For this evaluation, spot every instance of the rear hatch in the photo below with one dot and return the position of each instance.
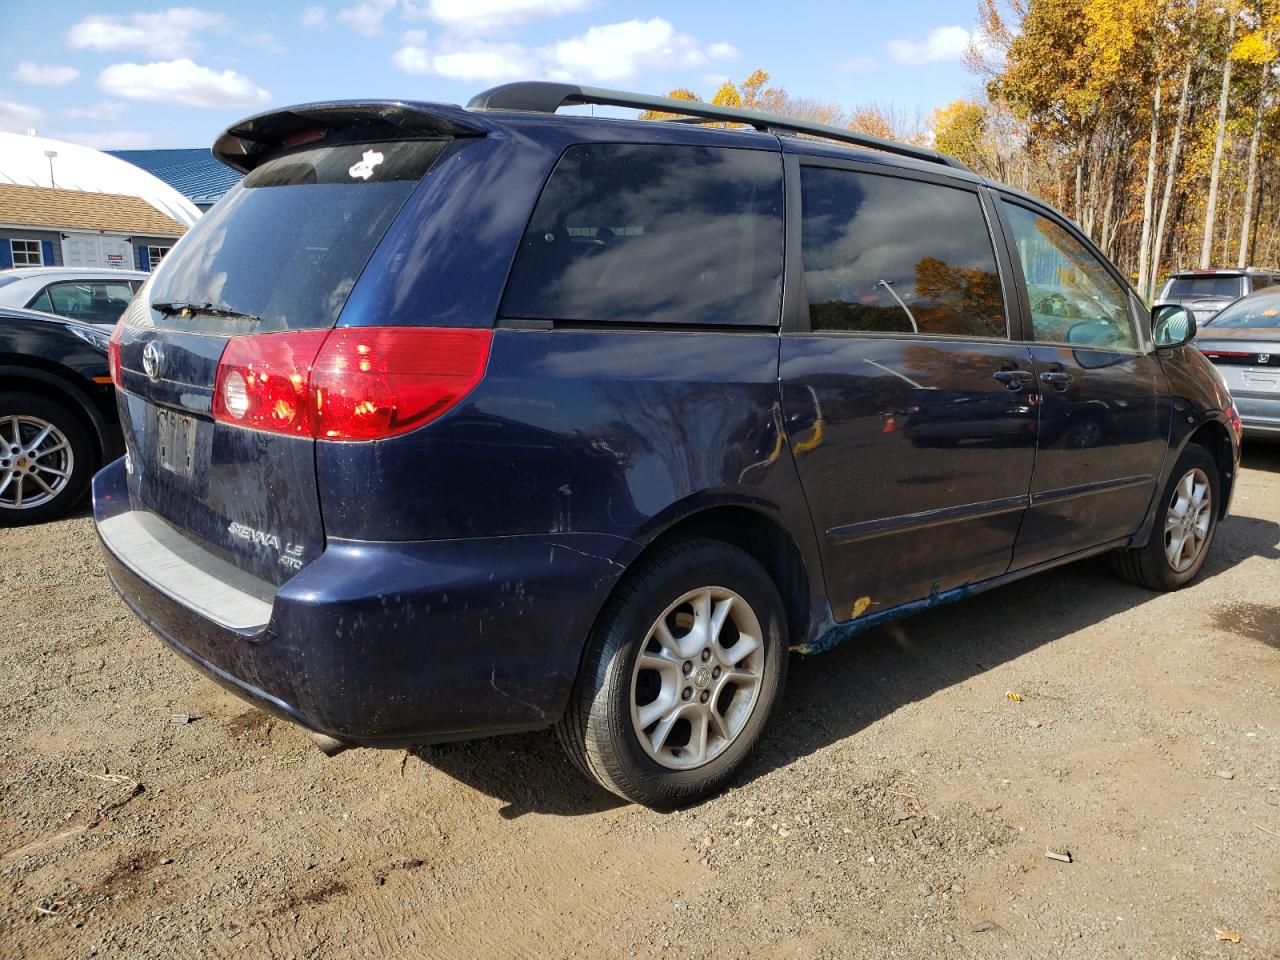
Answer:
(279, 254)
(1204, 294)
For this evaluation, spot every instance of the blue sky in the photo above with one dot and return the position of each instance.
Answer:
(162, 75)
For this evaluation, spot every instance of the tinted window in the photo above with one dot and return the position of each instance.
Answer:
(93, 301)
(891, 255)
(287, 243)
(654, 234)
(1207, 286)
(1074, 299)
(1259, 310)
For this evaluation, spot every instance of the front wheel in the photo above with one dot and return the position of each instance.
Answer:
(1186, 522)
(680, 675)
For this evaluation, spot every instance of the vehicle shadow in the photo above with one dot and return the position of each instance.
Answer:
(1261, 455)
(834, 695)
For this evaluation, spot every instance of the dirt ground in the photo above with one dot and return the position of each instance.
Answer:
(901, 806)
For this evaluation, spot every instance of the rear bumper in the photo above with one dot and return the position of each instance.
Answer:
(1259, 416)
(387, 643)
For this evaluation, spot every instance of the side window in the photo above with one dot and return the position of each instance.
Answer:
(890, 255)
(1074, 299)
(654, 234)
(94, 302)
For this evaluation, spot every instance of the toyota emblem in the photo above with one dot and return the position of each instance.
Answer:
(153, 359)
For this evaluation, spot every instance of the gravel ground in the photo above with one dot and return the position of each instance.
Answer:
(901, 806)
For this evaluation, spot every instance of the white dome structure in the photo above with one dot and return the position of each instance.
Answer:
(24, 162)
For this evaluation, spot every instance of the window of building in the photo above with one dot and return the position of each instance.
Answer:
(26, 253)
(156, 254)
(639, 233)
(1074, 298)
(890, 255)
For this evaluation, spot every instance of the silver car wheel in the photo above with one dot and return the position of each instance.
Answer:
(1186, 526)
(697, 678)
(36, 462)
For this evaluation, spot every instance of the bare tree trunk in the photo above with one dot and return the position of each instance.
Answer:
(1211, 205)
(1226, 229)
(1175, 150)
(1252, 179)
(1148, 193)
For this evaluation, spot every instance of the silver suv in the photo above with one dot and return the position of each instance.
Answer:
(1205, 292)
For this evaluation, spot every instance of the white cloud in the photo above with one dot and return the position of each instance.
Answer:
(19, 117)
(366, 16)
(723, 51)
(183, 83)
(618, 50)
(102, 110)
(412, 57)
(44, 74)
(508, 61)
(169, 32)
(942, 43)
(315, 18)
(111, 139)
(491, 14)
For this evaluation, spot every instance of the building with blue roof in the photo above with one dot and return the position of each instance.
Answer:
(192, 172)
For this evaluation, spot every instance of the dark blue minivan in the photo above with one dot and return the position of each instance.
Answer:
(452, 422)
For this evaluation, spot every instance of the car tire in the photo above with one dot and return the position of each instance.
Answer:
(1195, 485)
(691, 678)
(46, 459)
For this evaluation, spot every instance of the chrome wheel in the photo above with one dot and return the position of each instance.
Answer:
(697, 678)
(36, 462)
(1186, 526)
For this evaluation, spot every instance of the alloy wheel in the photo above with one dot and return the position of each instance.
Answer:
(1186, 525)
(697, 678)
(36, 462)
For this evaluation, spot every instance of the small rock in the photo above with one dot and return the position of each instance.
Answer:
(925, 889)
(949, 937)
(1034, 723)
(680, 906)
(167, 860)
(1226, 774)
(956, 888)
(985, 926)
(413, 864)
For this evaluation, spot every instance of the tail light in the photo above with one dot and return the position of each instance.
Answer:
(356, 383)
(113, 355)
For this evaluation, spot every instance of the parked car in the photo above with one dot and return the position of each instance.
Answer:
(58, 421)
(526, 420)
(78, 293)
(1205, 292)
(1243, 342)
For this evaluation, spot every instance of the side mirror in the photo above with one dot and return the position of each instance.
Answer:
(1172, 326)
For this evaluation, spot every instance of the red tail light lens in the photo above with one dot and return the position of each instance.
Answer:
(263, 381)
(380, 381)
(113, 355)
(353, 383)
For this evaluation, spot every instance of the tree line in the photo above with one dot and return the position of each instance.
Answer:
(1154, 124)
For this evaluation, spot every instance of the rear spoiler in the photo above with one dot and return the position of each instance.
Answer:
(246, 144)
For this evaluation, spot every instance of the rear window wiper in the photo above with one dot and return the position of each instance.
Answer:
(207, 309)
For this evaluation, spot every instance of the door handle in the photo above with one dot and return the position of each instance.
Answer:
(1013, 379)
(1059, 378)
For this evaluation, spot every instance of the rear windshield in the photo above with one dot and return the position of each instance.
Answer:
(287, 243)
(1207, 286)
(1260, 310)
(654, 234)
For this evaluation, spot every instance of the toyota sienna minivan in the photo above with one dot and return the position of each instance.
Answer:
(451, 422)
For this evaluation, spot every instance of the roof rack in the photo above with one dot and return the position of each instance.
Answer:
(545, 97)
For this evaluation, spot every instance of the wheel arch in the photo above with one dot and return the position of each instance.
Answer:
(1213, 435)
(60, 389)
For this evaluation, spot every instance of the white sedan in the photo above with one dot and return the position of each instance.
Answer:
(81, 293)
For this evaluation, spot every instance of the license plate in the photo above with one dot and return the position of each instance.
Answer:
(1259, 380)
(176, 442)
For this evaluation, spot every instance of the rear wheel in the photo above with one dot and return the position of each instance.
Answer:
(46, 459)
(681, 673)
(1186, 522)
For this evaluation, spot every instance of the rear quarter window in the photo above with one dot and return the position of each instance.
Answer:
(646, 233)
